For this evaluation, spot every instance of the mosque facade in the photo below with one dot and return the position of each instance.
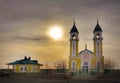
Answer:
(86, 61)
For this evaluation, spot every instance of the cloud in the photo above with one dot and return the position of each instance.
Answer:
(31, 38)
(23, 26)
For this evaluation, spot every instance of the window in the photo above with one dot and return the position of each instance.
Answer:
(73, 37)
(85, 63)
(21, 68)
(73, 66)
(98, 36)
(73, 49)
(25, 68)
(98, 65)
(98, 47)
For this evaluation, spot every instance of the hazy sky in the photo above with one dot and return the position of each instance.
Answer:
(24, 26)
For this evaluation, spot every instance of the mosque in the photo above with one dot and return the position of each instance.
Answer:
(86, 61)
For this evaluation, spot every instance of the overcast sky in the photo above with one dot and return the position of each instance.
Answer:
(24, 25)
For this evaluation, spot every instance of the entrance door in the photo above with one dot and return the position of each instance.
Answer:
(85, 69)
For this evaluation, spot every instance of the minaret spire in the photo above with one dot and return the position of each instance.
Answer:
(97, 27)
(73, 21)
(97, 21)
(85, 45)
(74, 28)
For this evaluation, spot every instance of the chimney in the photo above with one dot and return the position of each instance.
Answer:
(25, 58)
(29, 58)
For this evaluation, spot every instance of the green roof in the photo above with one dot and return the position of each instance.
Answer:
(24, 61)
(97, 28)
(74, 29)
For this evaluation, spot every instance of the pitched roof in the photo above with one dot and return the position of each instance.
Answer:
(85, 51)
(74, 29)
(25, 61)
(97, 28)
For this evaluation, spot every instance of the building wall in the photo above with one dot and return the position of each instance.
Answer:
(35, 68)
(29, 68)
(92, 65)
(78, 63)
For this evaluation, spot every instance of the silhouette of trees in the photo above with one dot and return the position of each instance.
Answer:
(110, 63)
(61, 65)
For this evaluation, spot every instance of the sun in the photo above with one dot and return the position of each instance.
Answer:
(56, 32)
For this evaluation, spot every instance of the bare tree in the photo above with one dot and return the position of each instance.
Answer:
(110, 63)
(61, 65)
(46, 65)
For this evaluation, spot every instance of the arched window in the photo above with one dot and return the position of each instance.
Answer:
(98, 36)
(73, 37)
(98, 47)
(73, 66)
(85, 63)
(98, 65)
(25, 68)
(21, 68)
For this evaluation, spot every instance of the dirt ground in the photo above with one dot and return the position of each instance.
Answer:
(9, 80)
(28, 78)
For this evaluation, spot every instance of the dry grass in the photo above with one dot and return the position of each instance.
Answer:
(38, 78)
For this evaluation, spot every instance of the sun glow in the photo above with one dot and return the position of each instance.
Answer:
(56, 32)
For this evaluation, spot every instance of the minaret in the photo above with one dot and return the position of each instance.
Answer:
(97, 39)
(74, 41)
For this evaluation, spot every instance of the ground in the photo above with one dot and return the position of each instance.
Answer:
(35, 78)
(9, 80)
